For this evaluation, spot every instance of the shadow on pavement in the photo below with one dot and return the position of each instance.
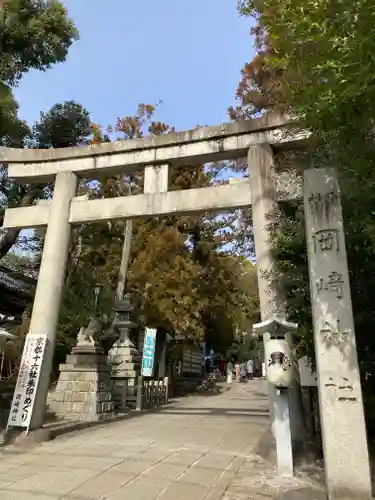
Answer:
(227, 412)
(57, 428)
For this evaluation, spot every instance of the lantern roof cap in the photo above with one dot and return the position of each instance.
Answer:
(124, 305)
(275, 326)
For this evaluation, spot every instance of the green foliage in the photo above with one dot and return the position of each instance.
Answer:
(35, 34)
(324, 51)
(315, 60)
(64, 125)
(12, 130)
(240, 352)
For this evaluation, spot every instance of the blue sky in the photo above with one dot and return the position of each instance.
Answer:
(186, 53)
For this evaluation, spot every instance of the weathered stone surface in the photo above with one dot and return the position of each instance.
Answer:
(71, 373)
(210, 141)
(340, 396)
(84, 388)
(126, 363)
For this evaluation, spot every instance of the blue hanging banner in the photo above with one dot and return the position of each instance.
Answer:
(148, 352)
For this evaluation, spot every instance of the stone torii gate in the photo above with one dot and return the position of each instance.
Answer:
(346, 457)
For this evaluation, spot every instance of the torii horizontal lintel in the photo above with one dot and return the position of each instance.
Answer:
(214, 199)
(206, 144)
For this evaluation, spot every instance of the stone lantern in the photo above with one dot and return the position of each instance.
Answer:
(278, 334)
(124, 356)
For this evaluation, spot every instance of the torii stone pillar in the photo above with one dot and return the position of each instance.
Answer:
(51, 279)
(263, 182)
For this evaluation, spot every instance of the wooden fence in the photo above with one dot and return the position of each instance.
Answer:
(151, 393)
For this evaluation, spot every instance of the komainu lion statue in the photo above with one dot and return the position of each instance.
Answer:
(89, 335)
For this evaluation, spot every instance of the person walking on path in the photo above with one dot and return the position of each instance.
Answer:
(250, 368)
(238, 372)
(243, 372)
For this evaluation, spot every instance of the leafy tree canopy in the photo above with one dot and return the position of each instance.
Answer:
(66, 124)
(322, 55)
(314, 59)
(35, 34)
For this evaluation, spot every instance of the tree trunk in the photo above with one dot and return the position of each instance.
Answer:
(10, 235)
(125, 260)
(74, 258)
(8, 240)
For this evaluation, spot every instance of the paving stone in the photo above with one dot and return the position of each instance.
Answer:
(133, 466)
(164, 471)
(95, 451)
(129, 451)
(183, 491)
(20, 472)
(16, 495)
(5, 484)
(201, 476)
(138, 491)
(53, 481)
(151, 481)
(82, 462)
(212, 460)
(184, 457)
(155, 453)
(221, 485)
(101, 486)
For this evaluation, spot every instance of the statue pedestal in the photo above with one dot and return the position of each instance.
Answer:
(126, 361)
(83, 391)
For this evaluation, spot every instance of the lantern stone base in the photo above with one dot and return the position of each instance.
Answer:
(126, 362)
(84, 388)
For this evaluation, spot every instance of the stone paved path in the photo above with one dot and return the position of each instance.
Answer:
(196, 448)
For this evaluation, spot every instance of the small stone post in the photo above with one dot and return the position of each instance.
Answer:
(345, 450)
(124, 356)
(140, 393)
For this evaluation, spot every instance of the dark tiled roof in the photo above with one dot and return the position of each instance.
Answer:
(16, 282)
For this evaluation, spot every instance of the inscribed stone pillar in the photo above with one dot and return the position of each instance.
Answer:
(264, 205)
(341, 409)
(50, 285)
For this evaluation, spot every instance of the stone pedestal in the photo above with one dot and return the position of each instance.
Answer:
(83, 390)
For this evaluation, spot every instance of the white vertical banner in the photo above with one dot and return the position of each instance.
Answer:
(27, 381)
